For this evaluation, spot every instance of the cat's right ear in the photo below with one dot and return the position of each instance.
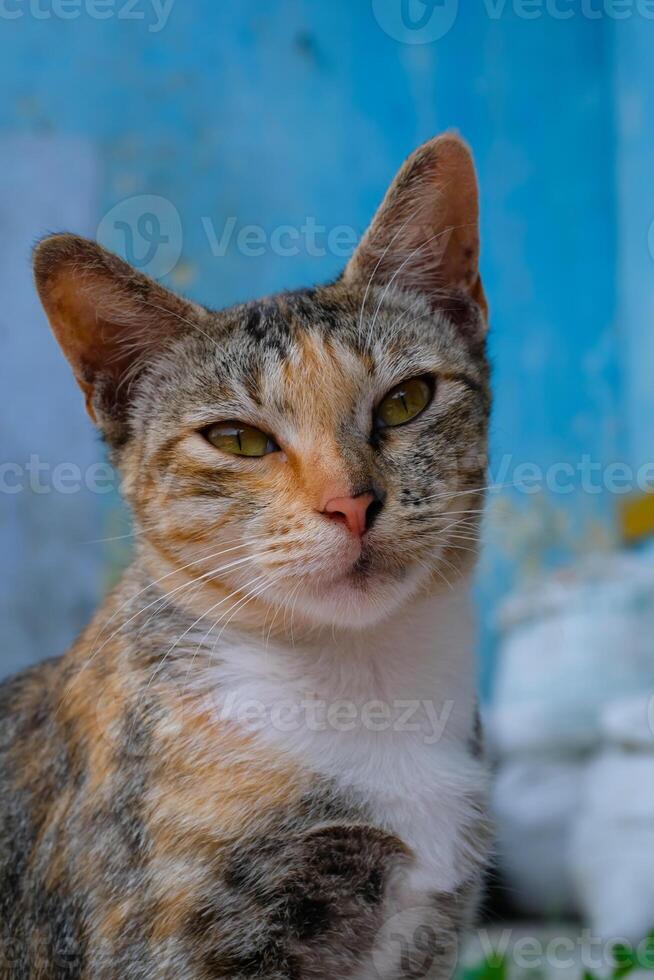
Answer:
(425, 235)
(108, 319)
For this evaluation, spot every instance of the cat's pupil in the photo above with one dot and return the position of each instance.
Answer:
(405, 402)
(240, 440)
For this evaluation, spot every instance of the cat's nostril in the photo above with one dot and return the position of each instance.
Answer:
(357, 513)
(373, 512)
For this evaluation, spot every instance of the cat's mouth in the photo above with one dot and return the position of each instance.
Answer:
(369, 568)
(365, 568)
(361, 592)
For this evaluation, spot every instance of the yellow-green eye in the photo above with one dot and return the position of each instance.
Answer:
(404, 402)
(240, 440)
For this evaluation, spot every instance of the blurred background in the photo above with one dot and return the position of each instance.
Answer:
(234, 149)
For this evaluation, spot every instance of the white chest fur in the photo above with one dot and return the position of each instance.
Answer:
(386, 713)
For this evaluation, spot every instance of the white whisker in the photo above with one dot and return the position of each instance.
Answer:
(448, 495)
(194, 624)
(179, 588)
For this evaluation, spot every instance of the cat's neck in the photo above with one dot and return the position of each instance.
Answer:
(417, 664)
(418, 661)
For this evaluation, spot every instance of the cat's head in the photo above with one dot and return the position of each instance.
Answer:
(323, 449)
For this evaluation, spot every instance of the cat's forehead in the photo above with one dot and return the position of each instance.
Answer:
(295, 355)
(312, 335)
(313, 356)
(287, 323)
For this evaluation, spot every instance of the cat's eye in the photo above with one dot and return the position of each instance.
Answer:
(405, 402)
(240, 440)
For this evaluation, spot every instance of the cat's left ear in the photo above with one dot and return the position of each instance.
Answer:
(109, 319)
(425, 236)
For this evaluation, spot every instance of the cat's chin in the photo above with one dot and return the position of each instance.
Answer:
(357, 599)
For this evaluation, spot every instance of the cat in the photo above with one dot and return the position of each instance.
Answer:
(261, 758)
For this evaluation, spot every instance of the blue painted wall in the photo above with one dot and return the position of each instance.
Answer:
(634, 102)
(274, 114)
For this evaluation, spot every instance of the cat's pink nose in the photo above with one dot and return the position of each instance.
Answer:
(352, 511)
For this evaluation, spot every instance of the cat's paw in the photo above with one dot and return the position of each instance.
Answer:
(314, 902)
(340, 871)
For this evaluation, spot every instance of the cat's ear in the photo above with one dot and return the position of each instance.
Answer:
(425, 235)
(108, 318)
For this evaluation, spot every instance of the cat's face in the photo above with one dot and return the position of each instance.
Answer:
(303, 381)
(319, 453)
